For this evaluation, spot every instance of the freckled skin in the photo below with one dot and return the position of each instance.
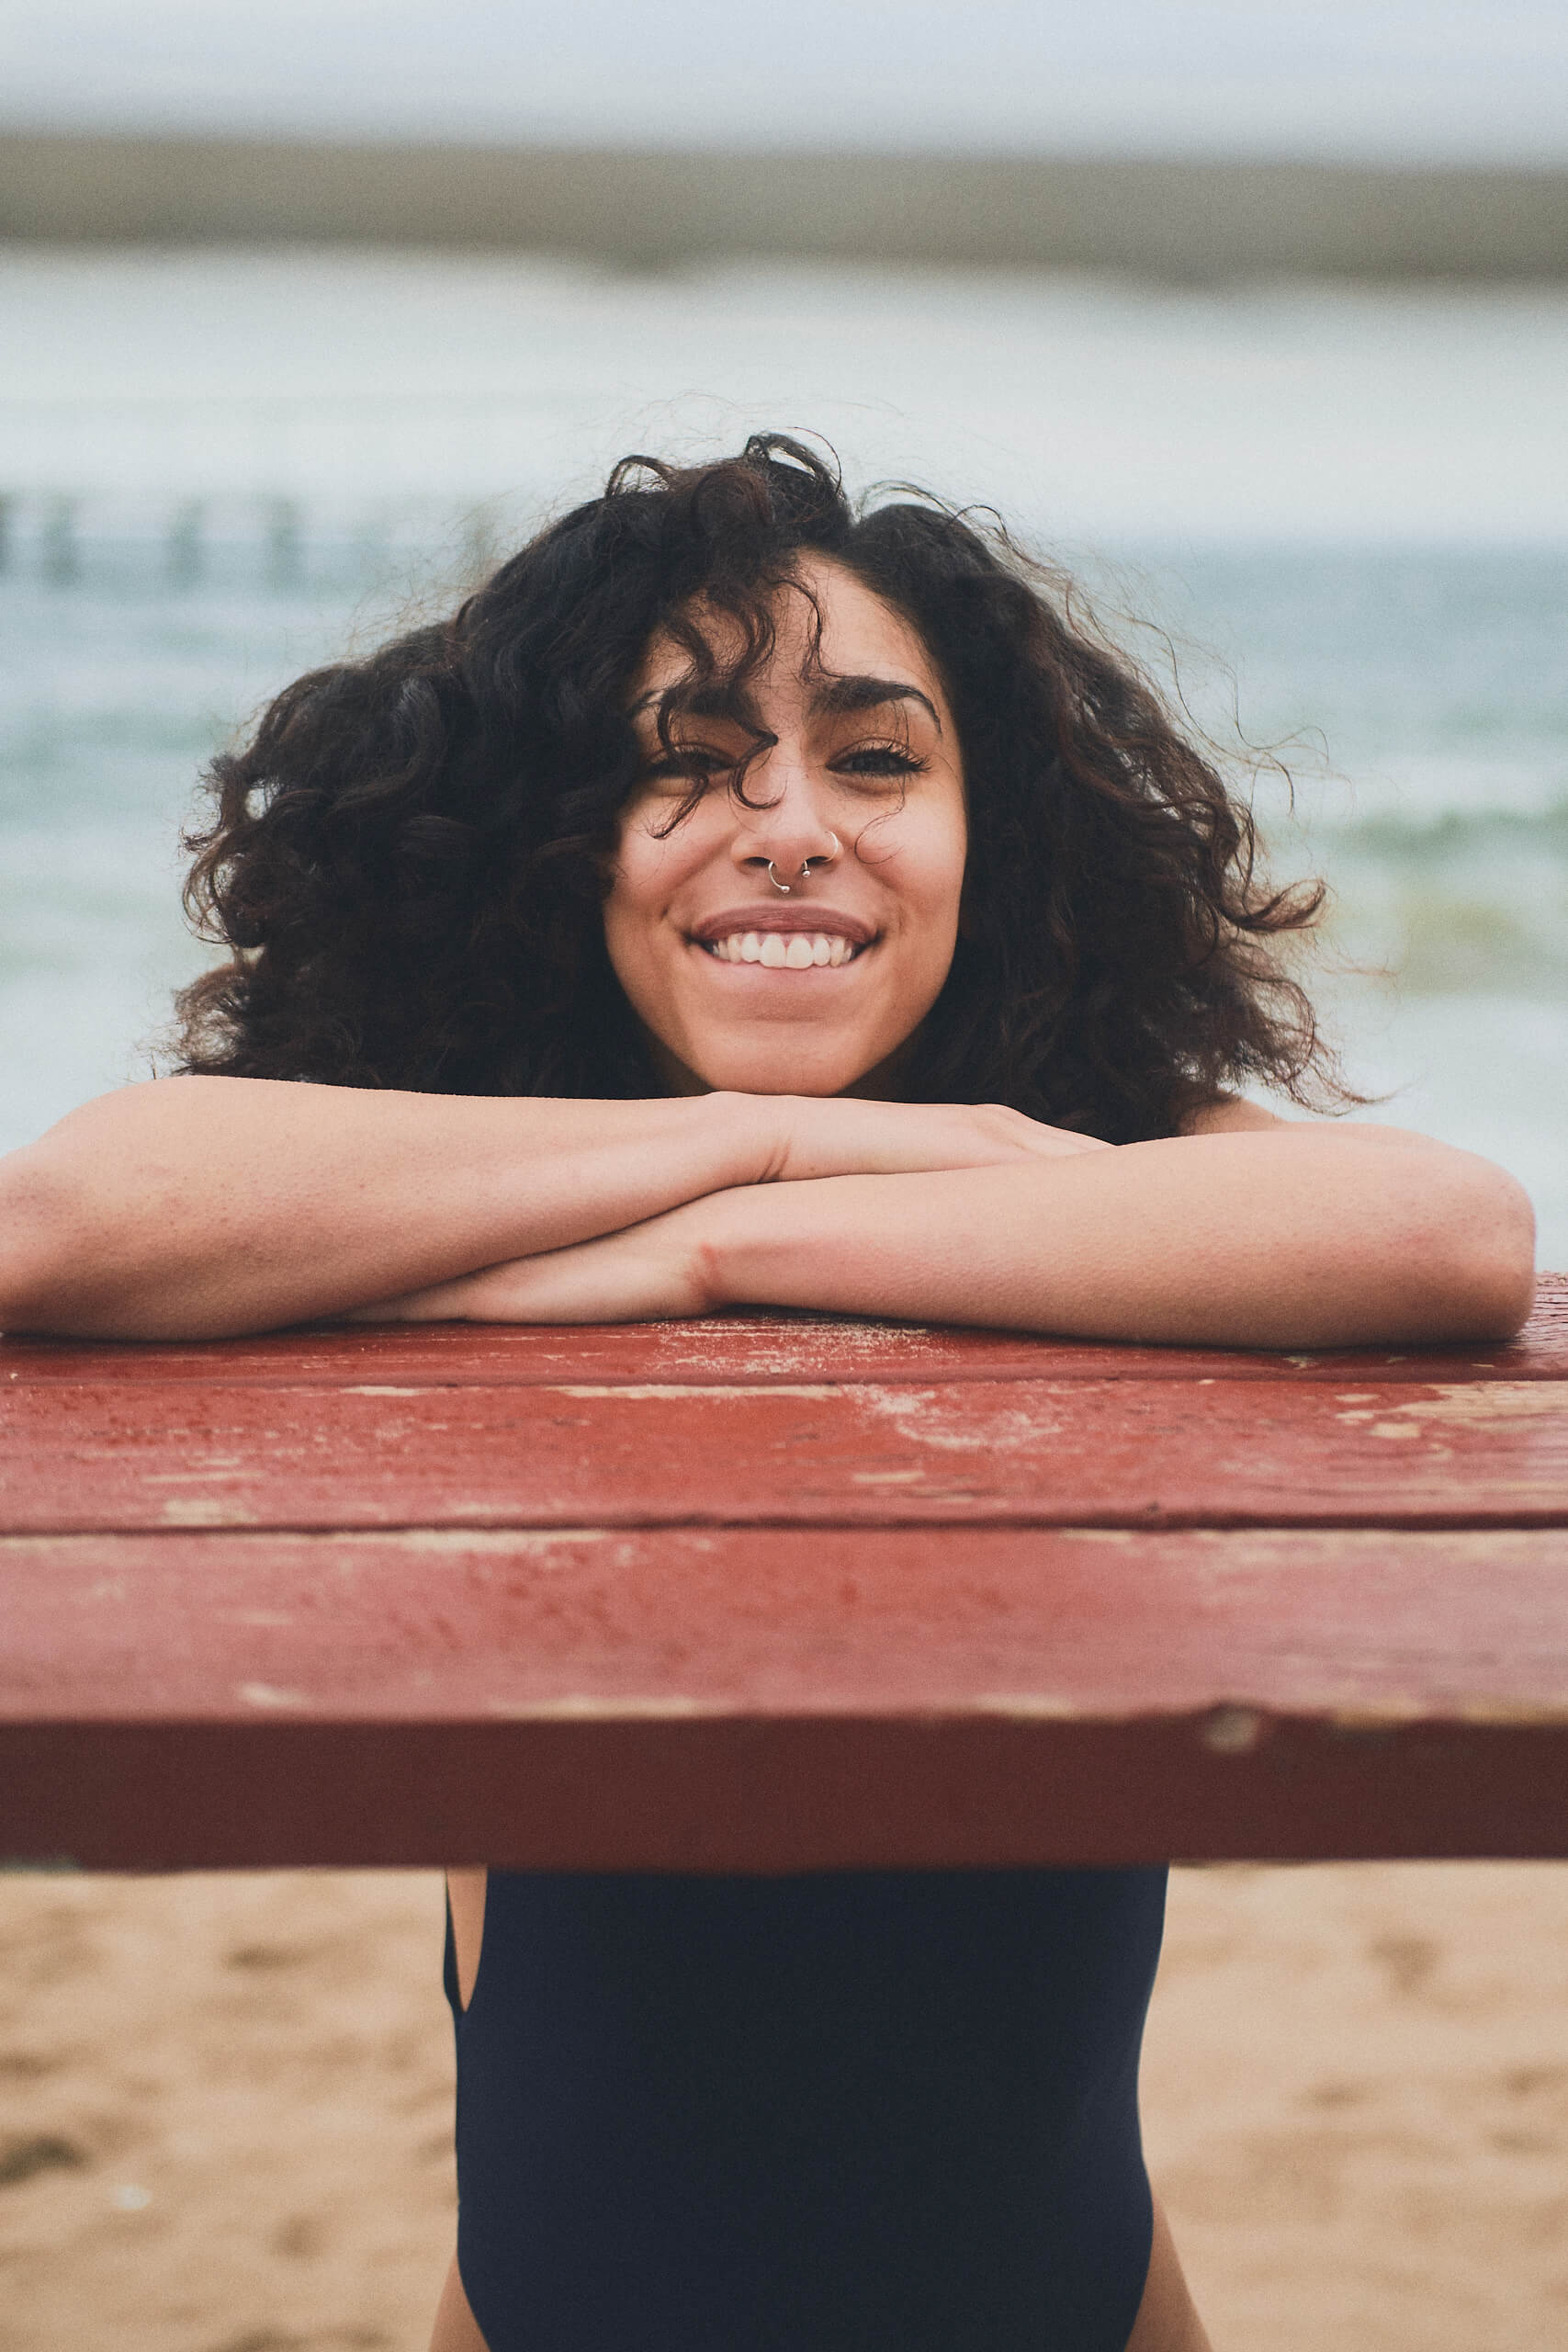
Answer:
(886, 783)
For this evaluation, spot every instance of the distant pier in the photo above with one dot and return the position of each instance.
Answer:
(1176, 219)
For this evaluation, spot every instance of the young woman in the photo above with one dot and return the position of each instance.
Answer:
(742, 899)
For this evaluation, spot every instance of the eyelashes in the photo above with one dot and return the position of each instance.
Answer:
(695, 769)
(880, 759)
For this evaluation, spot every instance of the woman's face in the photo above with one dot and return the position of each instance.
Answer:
(738, 984)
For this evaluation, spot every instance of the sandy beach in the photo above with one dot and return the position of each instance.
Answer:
(225, 2110)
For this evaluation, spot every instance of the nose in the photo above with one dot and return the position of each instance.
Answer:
(784, 836)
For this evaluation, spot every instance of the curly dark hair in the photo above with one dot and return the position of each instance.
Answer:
(408, 861)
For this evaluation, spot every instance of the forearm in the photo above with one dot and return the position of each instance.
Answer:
(202, 1206)
(1293, 1238)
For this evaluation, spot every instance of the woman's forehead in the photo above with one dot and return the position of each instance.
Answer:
(826, 623)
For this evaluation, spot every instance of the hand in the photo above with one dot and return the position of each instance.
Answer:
(659, 1268)
(841, 1136)
(644, 1274)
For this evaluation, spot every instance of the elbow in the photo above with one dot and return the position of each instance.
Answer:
(1478, 1282)
(90, 1223)
(41, 1243)
(1506, 1278)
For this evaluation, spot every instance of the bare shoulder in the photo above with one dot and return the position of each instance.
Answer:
(1232, 1115)
(1229, 1114)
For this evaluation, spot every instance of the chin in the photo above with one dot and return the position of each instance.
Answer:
(781, 1069)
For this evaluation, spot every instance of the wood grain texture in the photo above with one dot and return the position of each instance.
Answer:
(771, 1794)
(1377, 1627)
(775, 1592)
(768, 1700)
(1104, 1453)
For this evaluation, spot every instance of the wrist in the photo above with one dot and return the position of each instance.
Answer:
(754, 1131)
(712, 1248)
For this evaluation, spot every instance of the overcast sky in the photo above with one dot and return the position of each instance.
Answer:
(1402, 79)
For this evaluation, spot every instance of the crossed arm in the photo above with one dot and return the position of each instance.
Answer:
(197, 1207)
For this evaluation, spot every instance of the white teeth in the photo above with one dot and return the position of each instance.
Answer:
(795, 951)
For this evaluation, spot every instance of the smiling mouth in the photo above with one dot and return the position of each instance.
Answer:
(785, 951)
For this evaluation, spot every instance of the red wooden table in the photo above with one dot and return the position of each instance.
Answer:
(778, 1593)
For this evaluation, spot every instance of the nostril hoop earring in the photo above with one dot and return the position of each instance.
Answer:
(805, 866)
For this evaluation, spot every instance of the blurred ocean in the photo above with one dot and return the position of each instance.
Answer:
(1348, 508)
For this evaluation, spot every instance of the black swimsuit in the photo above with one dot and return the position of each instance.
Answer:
(849, 2112)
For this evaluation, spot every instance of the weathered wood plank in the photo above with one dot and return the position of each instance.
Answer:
(928, 1656)
(745, 1350)
(1380, 1625)
(773, 1794)
(1106, 1453)
(765, 1699)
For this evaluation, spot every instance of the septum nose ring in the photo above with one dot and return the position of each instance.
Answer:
(805, 866)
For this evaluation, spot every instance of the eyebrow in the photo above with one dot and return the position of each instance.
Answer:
(836, 697)
(716, 702)
(839, 696)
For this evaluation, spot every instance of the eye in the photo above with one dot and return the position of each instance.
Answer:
(687, 767)
(878, 760)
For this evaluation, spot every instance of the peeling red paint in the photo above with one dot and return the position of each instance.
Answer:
(1135, 1454)
(769, 1593)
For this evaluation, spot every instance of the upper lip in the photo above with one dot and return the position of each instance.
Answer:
(759, 915)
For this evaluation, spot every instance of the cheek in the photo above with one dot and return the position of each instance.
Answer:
(642, 872)
(645, 872)
(625, 915)
(640, 857)
(930, 863)
(658, 849)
